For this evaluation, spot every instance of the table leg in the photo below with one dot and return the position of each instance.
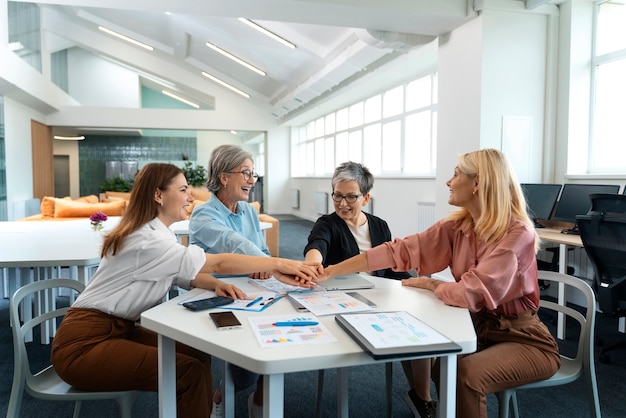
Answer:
(560, 324)
(228, 394)
(342, 392)
(167, 377)
(273, 395)
(446, 407)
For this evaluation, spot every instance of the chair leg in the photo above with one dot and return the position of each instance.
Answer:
(77, 406)
(504, 400)
(389, 387)
(514, 404)
(320, 391)
(126, 406)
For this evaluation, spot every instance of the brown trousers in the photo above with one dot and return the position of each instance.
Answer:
(513, 350)
(96, 351)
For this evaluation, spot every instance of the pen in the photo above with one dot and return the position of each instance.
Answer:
(295, 324)
(255, 301)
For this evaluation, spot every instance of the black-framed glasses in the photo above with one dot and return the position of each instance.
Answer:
(246, 174)
(351, 198)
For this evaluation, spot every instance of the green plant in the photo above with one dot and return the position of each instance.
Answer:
(117, 184)
(196, 176)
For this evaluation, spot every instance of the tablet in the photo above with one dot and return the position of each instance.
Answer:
(394, 335)
(347, 282)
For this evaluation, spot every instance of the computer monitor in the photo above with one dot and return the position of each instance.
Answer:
(575, 200)
(540, 200)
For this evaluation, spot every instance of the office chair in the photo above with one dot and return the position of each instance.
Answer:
(582, 365)
(603, 233)
(46, 384)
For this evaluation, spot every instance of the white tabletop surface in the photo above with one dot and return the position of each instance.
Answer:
(51, 243)
(240, 347)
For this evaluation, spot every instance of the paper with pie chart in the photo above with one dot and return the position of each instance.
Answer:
(270, 335)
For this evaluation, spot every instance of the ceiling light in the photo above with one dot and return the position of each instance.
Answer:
(234, 58)
(268, 33)
(180, 99)
(225, 84)
(70, 138)
(233, 132)
(126, 38)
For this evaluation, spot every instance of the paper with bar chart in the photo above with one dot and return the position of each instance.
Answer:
(330, 303)
(269, 334)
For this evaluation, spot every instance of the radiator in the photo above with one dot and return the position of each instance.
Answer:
(295, 198)
(425, 215)
(320, 202)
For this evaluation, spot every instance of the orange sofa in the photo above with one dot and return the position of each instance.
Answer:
(53, 208)
(114, 204)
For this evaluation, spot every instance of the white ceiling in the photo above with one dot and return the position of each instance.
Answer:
(337, 41)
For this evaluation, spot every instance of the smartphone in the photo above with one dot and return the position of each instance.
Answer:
(225, 320)
(362, 298)
(214, 302)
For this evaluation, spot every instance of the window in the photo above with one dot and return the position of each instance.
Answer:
(608, 126)
(392, 132)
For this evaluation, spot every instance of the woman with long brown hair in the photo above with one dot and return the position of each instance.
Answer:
(99, 344)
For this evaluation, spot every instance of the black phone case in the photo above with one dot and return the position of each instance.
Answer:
(202, 304)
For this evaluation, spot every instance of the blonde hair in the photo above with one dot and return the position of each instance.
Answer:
(500, 195)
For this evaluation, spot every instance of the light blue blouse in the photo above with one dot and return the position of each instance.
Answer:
(214, 228)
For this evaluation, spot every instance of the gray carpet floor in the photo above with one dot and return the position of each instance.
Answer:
(366, 384)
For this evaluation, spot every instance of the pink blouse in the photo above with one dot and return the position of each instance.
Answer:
(501, 277)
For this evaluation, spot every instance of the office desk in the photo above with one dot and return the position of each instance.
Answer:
(174, 323)
(45, 247)
(553, 234)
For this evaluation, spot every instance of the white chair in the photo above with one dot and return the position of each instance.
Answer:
(571, 368)
(46, 384)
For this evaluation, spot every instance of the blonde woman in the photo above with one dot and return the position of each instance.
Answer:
(489, 245)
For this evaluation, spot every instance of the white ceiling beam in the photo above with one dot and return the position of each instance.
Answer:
(533, 4)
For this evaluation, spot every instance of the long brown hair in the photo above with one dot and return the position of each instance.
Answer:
(142, 207)
(501, 197)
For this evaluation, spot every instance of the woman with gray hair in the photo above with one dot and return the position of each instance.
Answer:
(227, 223)
(349, 231)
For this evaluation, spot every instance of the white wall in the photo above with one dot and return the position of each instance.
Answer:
(94, 81)
(18, 151)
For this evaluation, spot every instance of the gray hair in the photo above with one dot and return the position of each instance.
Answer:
(224, 159)
(350, 171)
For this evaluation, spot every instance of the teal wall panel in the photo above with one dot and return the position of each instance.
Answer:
(95, 150)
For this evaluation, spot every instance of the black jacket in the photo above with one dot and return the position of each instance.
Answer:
(334, 240)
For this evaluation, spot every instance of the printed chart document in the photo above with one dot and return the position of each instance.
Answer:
(329, 302)
(394, 334)
(268, 334)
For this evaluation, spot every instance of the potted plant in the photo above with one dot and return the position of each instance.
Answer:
(117, 184)
(196, 176)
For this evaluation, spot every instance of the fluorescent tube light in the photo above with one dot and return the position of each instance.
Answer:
(125, 38)
(234, 58)
(267, 33)
(225, 84)
(69, 138)
(233, 132)
(180, 99)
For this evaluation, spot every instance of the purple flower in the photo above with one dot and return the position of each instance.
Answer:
(98, 217)
(96, 220)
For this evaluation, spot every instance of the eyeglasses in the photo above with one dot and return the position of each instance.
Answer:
(351, 198)
(246, 174)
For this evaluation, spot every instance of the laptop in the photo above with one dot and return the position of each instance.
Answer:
(347, 282)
